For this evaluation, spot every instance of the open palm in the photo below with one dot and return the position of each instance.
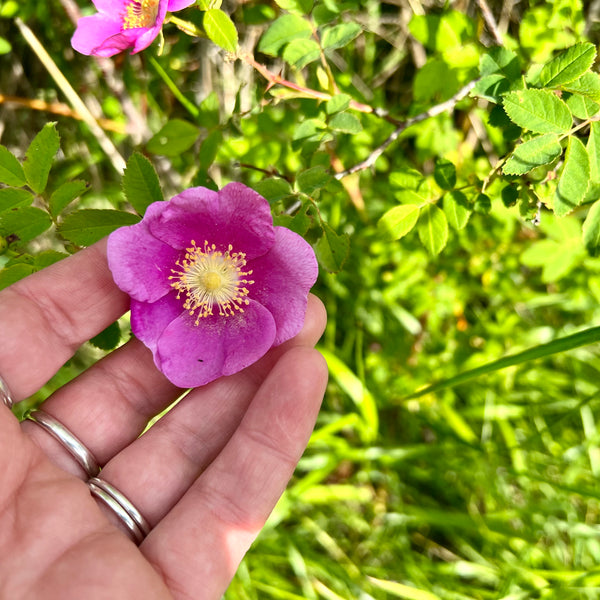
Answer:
(206, 476)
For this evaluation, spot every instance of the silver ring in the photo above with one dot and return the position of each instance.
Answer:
(129, 515)
(5, 394)
(71, 443)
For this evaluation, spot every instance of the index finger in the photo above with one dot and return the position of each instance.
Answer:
(45, 317)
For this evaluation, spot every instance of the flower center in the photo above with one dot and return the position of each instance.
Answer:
(209, 277)
(140, 13)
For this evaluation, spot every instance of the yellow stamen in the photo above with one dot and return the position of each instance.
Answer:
(140, 13)
(207, 276)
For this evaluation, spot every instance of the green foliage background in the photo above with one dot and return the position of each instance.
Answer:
(444, 159)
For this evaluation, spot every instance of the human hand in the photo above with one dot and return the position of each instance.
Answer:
(205, 476)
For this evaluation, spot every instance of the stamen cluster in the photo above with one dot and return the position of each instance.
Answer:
(140, 13)
(207, 276)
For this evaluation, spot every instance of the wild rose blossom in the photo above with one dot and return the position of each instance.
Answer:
(213, 284)
(122, 24)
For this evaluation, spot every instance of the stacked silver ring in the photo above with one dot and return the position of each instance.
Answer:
(5, 394)
(129, 515)
(137, 527)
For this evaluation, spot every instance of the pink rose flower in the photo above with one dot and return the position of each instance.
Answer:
(213, 284)
(122, 24)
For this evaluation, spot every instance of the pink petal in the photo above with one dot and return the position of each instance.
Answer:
(282, 280)
(192, 355)
(141, 264)
(93, 31)
(149, 320)
(235, 215)
(175, 5)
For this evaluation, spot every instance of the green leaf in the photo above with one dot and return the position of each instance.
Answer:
(337, 103)
(15, 273)
(535, 152)
(313, 179)
(24, 223)
(39, 157)
(5, 46)
(456, 209)
(399, 220)
(500, 61)
(591, 230)
(568, 65)
(109, 338)
(220, 29)
(583, 338)
(87, 226)
(433, 229)
(210, 148)
(273, 189)
(299, 223)
(174, 138)
(12, 198)
(593, 148)
(582, 107)
(540, 111)
(140, 183)
(574, 179)
(64, 195)
(340, 35)
(11, 171)
(296, 6)
(332, 249)
(345, 122)
(444, 174)
(285, 29)
(587, 85)
(47, 257)
(301, 52)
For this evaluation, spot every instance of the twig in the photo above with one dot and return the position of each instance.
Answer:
(432, 112)
(275, 79)
(490, 21)
(59, 108)
(76, 102)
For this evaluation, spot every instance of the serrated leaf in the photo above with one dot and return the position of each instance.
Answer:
(39, 157)
(282, 31)
(313, 179)
(174, 138)
(345, 122)
(332, 249)
(499, 60)
(64, 195)
(87, 226)
(47, 257)
(399, 220)
(301, 52)
(540, 150)
(11, 171)
(13, 274)
(568, 65)
(587, 85)
(273, 189)
(109, 338)
(13, 198)
(444, 174)
(456, 209)
(593, 149)
(574, 179)
(591, 230)
(220, 29)
(337, 103)
(299, 223)
(140, 183)
(582, 107)
(340, 35)
(540, 111)
(24, 223)
(433, 229)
